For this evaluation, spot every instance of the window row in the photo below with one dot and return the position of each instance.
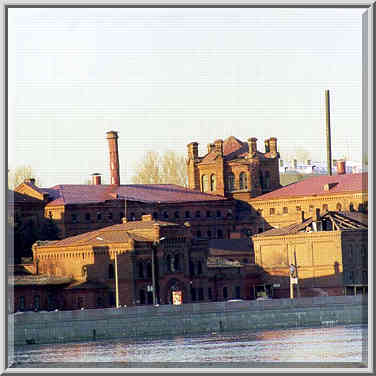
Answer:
(99, 217)
(311, 208)
(212, 234)
(196, 214)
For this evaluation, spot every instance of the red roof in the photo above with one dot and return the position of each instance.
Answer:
(120, 233)
(157, 193)
(232, 149)
(316, 186)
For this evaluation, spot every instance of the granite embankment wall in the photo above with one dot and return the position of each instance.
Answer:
(165, 320)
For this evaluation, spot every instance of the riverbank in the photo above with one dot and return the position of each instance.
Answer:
(165, 320)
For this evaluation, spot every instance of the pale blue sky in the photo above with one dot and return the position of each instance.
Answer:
(165, 77)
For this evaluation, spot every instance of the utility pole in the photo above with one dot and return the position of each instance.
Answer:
(296, 275)
(328, 136)
(153, 272)
(116, 281)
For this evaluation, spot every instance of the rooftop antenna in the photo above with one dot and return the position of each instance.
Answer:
(328, 139)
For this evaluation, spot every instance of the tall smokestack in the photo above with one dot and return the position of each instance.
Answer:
(112, 137)
(328, 140)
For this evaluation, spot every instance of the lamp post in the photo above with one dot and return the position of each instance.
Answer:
(154, 270)
(116, 282)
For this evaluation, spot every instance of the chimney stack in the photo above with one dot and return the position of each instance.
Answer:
(267, 146)
(112, 138)
(252, 146)
(328, 137)
(219, 147)
(341, 167)
(193, 150)
(96, 179)
(273, 145)
(210, 147)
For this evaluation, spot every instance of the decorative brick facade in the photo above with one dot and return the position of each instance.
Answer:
(234, 169)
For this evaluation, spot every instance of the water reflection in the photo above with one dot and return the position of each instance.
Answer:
(334, 344)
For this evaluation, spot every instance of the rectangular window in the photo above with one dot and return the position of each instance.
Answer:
(271, 211)
(200, 293)
(21, 303)
(237, 292)
(193, 294)
(210, 296)
(285, 210)
(225, 293)
(365, 275)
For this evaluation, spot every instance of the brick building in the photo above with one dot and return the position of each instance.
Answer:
(345, 192)
(198, 269)
(234, 169)
(329, 252)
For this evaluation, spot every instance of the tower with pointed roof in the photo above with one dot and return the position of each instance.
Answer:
(233, 168)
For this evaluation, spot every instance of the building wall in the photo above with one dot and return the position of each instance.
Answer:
(276, 213)
(321, 258)
(262, 173)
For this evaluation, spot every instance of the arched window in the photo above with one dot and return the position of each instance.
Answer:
(191, 268)
(87, 216)
(243, 180)
(199, 268)
(213, 183)
(339, 207)
(231, 182)
(149, 270)
(176, 263)
(187, 214)
(198, 214)
(111, 271)
(176, 214)
(155, 215)
(140, 270)
(205, 183)
(165, 215)
(168, 263)
(267, 179)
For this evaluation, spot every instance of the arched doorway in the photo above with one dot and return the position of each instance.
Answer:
(175, 292)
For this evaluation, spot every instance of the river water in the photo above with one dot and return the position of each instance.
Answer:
(340, 345)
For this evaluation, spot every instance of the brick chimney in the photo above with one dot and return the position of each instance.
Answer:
(210, 147)
(30, 181)
(273, 145)
(252, 146)
(112, 138)
(219, 147)
(341, 167)
(96, 179)
(193, 150)
(267, 147)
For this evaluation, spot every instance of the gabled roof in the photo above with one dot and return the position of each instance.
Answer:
(19, 198)
(153, 193)
(120, 233)
(317, 186)
(340, 221)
